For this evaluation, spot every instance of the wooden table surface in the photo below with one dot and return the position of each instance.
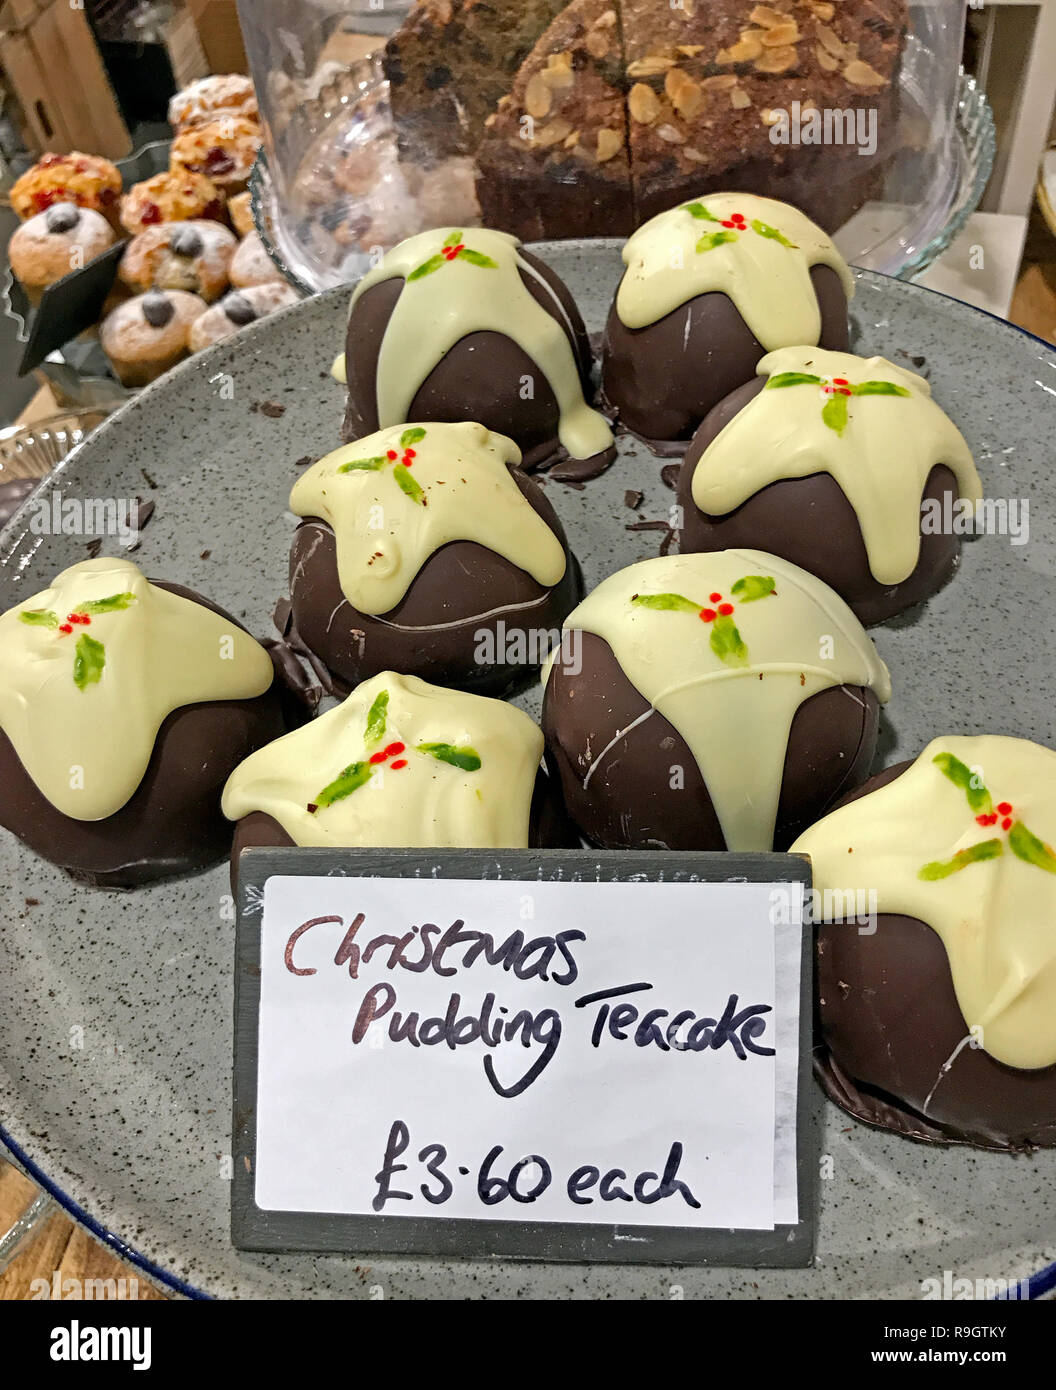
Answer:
(62, 1255)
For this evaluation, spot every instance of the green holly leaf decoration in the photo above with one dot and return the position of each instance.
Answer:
(427, 267)
(709, 241)
(792, 379)
(772, 233)
(377, 718)
(88, 661)
(1026, 846)
(354, 776)
(878, 388)
(753, 587)
(477, 258)
(467, 759)
(116, 603)
(363, 465)
(39, 617)
(700, 212)
(409, 438)
(667, 603)
(408, 484)
(455, 239)
(979, 799)
(974, 854)
(726, 642)
(834, 413)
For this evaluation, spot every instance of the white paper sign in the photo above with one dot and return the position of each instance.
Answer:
(612, 1053)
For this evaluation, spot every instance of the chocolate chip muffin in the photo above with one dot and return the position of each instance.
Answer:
(194, 256)
(52, 244)
(147, 335)
(236, 310)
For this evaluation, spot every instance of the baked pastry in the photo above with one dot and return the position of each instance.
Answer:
(936, 889)
(176, 195)
(450, 62)
(454, 326)
(710, 288)
(400, 764)
(150, 333)
(554, 156)
(236, 310)
(119, 724)
(707, 81)
(223, 150)
(796, 99)
(426, 550)
(240, 211)
(85, 179)
(194, 256)
(50, 245)
(251, 264)
(212, 97)
(841, 464)
(710, 702)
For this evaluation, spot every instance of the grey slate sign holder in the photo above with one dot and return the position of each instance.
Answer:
(787, 1246)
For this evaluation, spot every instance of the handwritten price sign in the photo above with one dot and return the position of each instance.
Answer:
(580, 1059)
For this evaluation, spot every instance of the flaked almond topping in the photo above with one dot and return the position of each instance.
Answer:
(559, 60)
(553, 134)
(821, 9)
(558, 78)
(860, 74)
(777, 60)
(765, 17)
(744, 51)
(670, 135)
(685, 95)
(652, 66)
(643, 104)
(597, 43)
(781, 34)
(739, 99)
(537, 96)
(605, 21)
(769, 117)
(826, 60)
(690, 50)
(694, 156)
(829, 40)
(721, 82)
(489, 121)
(610, 143)
(572, 141)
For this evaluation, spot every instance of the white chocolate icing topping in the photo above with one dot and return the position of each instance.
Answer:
(757, 251)
(394, 498)
(963, 841)
(399, 763)
(459, 283)
(871, 425)
(92, 667)
(727, 646)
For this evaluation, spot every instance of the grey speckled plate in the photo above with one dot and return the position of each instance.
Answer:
(115, 1010)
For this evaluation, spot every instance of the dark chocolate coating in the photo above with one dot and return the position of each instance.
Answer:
(629, 802)
(172, 824)
(479, 379)
(809, 522)
(434, 630)
(889, 1021)
(548, 826)
(664, 379)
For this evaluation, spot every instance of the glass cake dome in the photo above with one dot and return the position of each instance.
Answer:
(576, 118)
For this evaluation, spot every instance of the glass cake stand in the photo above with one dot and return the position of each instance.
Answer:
(354, 199)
